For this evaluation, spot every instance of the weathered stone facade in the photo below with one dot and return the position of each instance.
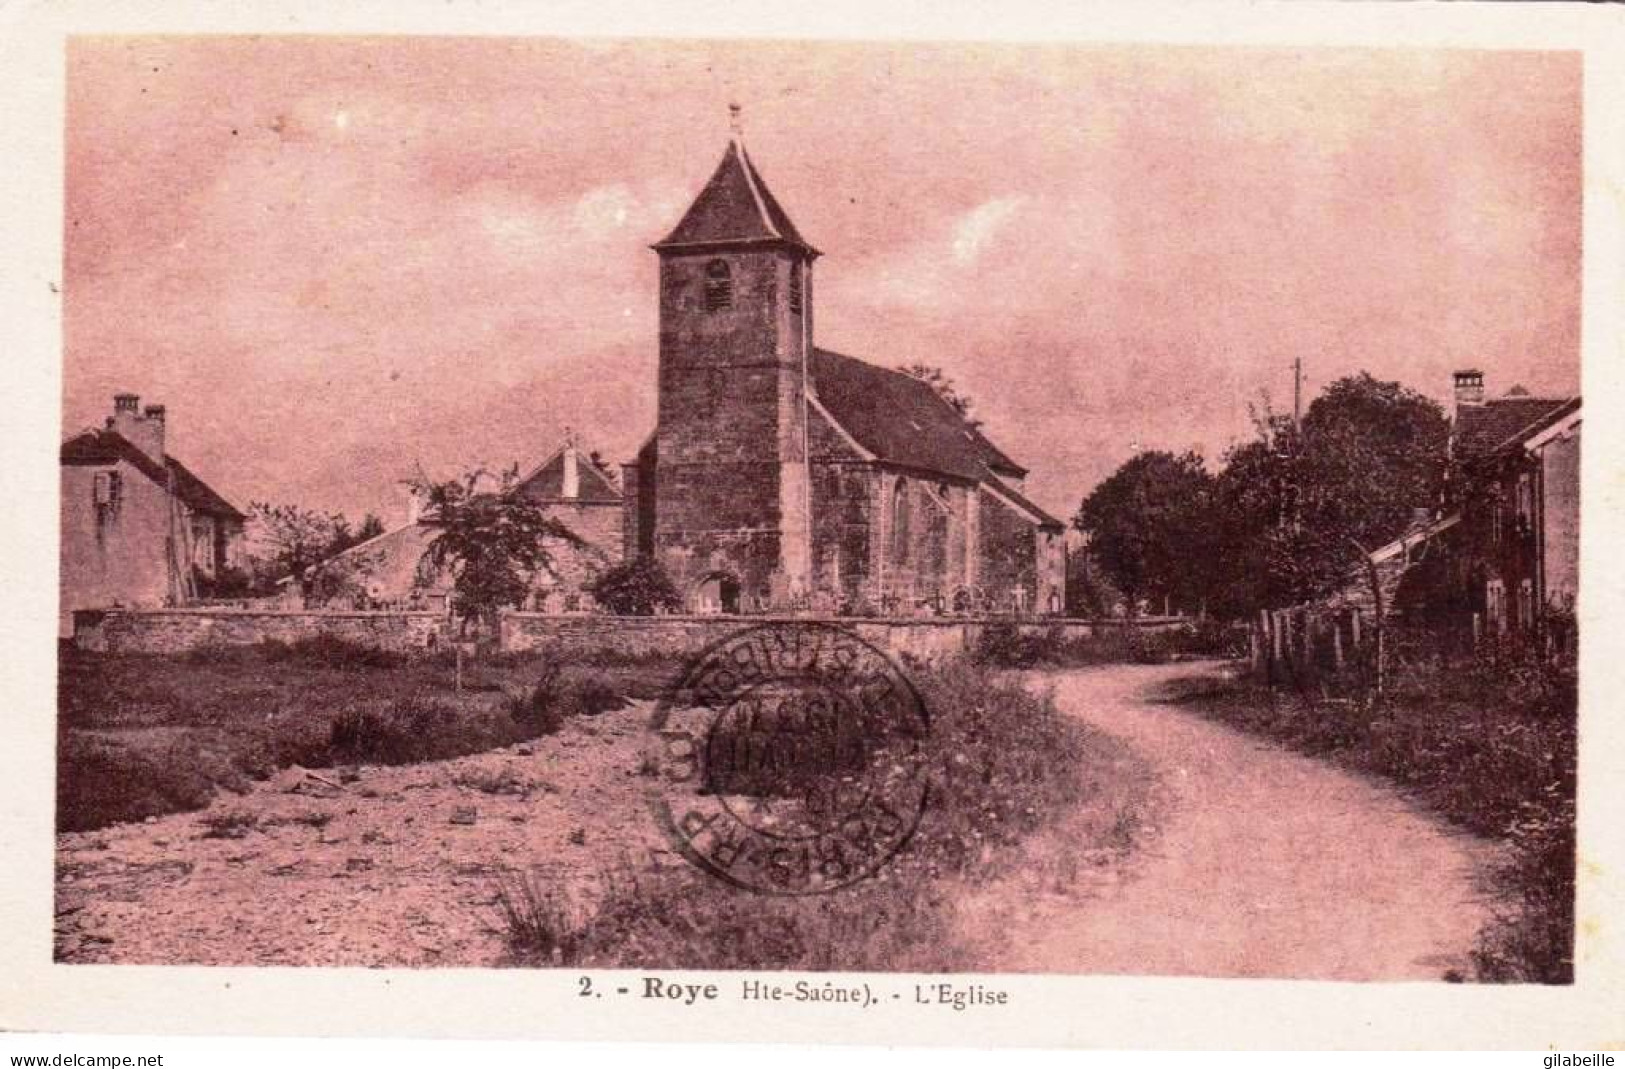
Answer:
(782, 476)
(138, 528)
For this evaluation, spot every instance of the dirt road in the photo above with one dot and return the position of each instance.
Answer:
(383, 867)
(1258, 863)
(1252, 862)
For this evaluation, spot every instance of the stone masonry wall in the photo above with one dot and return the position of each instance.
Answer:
(167, 631)
(636, 636)
(179, 630)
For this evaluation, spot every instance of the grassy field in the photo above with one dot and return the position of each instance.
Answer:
(1005, 764)
(146, 735)
(141, 735)
(1489, 745)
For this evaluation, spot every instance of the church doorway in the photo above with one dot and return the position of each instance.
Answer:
(717, 593)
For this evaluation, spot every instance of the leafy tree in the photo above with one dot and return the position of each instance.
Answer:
(1088, 591)
(939, 381)
(291, 540)
(636, 587)
(493, 544)
(1148, 524)
(1301, 506)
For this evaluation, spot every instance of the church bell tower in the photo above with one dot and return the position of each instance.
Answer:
(732, 496)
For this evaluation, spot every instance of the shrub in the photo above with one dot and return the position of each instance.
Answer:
(99, 782)
(591, 696)
(683, 920)
(328, 651)
(541, 709)
(229, 583)
(557, 695)
(1007, 644)
(414, 731)
(1004, 644)
(505, 781)
(637, 587)
(538, 921)
(228, 825)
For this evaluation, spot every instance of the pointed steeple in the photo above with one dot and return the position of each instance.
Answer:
(735, 208)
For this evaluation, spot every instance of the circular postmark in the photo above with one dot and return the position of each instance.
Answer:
(788, 758)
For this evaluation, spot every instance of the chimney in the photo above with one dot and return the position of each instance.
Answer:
(572, 472)
(145, 430)
(1469, 387)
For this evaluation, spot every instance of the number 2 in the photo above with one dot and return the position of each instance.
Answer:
(586, 987)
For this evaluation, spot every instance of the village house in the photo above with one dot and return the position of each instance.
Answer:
(1503, 557)
(1518, 457)
(389, 571)
(781, 475)
(139, 530)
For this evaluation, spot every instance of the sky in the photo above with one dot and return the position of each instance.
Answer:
(337, 260)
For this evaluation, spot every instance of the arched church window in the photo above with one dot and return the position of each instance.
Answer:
(719, 286)
(795, 288)
(901, 535)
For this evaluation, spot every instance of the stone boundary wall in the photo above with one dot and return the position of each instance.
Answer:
(637, 636)
(179, 630)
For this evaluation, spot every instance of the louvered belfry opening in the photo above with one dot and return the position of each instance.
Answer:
(719, 286)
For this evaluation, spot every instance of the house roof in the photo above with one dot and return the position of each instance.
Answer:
(546, 483)
(734, 208)
(1483, 430)
(393, 557)
(1416, 534)
(902, 420)
(109, 446)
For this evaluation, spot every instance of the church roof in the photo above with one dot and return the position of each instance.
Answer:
(735, 207)
(903, 421)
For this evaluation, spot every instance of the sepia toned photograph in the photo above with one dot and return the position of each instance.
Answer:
(545, 503)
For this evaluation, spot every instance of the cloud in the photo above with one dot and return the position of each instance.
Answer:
(1099, 244)
(977, 228)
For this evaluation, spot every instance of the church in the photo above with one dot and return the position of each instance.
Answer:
(783, 476)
